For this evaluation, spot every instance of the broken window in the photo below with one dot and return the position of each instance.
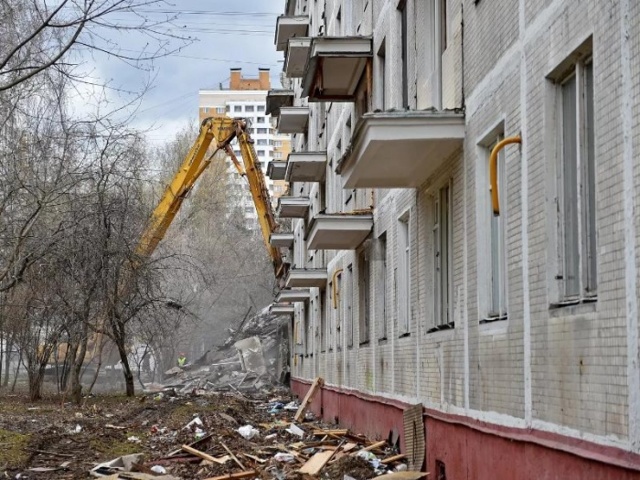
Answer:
(498, 252)
(402, 7)
(382, 283)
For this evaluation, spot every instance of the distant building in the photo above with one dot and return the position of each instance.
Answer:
(245, 98)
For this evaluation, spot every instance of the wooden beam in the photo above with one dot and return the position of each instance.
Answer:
(200, 454)
(247, 474)
(315, 386)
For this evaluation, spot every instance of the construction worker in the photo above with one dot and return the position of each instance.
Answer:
(182, 360)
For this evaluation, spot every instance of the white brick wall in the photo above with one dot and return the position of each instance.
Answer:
(565, 370)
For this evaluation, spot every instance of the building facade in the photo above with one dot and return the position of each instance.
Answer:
(501, 297)
(245, 97)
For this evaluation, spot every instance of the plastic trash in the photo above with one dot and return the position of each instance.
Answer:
(284, 457)
(134, 439)
(295, 430)
(270, 436)
(78, 429)
(248, 432)
(195, 421)
(291, 406)
(158, 469)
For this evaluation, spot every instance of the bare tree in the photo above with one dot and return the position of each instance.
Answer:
(38, 35)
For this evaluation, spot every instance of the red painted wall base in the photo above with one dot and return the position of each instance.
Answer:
(473, 450)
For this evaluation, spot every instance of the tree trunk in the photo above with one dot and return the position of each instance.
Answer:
(15, 376)
(35, 383)
(7, 360)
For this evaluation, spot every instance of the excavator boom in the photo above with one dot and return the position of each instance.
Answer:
(222, 130)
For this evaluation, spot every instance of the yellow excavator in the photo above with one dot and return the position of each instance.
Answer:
(222, 130)
(219, 133)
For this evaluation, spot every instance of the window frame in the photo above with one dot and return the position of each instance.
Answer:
(437, 232)
(403, 281)
(582, 166)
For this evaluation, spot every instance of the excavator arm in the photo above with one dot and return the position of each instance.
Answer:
(222, 130)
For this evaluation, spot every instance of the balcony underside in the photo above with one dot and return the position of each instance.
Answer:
(338, 232)
(293, 119)
(293, 295)
(288, 27)
(284, 309)
(293, 207)
(276, 99)
(306, 278)
(400, 149)
(296, 58)
(335, 67)
(306, 167)
(276, 169)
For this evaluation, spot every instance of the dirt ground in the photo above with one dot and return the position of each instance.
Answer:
(53, 434)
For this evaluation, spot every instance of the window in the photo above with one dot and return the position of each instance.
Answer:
(307, 327)
(237, 153)
(338, 305)
(277, 155)
(382, 103)
(364, 296)
(259, 119)
(498, 252)
(404, 52)
(278, 143)
(220, 109)
(323, 321)
(260, 108)
(404, 275)
(577, 222)
(228, 108)
(248, 108)
(261, 141)
(261, 153)
(443, 25)
(262, 131)
(442, 242)
(348, 305)
(237, 108)
(206, 109)
(382, 282)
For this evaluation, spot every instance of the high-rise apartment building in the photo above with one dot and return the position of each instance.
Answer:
(245, 97)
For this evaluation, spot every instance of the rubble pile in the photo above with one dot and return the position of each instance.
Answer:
(204, 435)
(248, 437)
(248, 361)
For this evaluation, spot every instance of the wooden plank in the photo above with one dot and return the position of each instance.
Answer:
(414, 441)
(315, 386)
(200, 454)
(247, 474)
(373, 446)
(315, 463)
(235, 459)
(401, 476)
(394, 458)
(254, 458)
(342, 431)
(349, 446)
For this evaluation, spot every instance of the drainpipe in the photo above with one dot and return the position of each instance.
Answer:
(493, 170)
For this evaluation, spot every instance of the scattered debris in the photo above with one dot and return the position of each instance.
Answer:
(317, 383)
(248, 432)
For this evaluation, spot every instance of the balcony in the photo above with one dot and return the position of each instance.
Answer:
(338, 231)
(277, 309)
(306, 278)
(293, 119)
(306, 167)
(276, 169)
(400, 149)
(296, 58)
(289, 27)
(335, 67)
(276, 99)
(293, 295)
(293, 207)
(281, 239)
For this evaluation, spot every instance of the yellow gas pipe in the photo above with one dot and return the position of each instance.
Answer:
(493, 170)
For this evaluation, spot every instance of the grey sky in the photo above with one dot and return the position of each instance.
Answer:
(227, 34)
